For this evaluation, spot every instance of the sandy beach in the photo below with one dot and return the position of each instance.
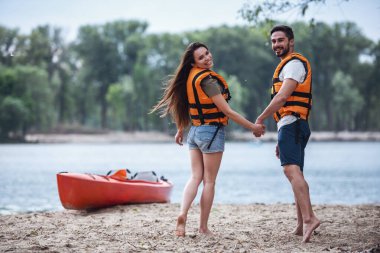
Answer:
(150, 228)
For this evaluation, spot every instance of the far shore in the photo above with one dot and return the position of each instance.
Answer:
(153, 136)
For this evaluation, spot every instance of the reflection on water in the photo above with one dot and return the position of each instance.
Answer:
(343, 173)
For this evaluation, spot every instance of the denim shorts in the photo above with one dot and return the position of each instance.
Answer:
(199, 137)
(291, 146)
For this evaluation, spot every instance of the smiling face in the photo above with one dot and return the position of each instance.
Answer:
(281, 44)
(203, 58)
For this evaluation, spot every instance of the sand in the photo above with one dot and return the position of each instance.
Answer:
(150, 228)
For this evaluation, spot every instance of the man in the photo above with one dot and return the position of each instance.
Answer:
(290, 106)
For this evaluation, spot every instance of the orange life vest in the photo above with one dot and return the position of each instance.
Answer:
(299, 102)
(202, 109)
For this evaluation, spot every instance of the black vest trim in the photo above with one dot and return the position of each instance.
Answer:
(203, 106)
(297, 103)
(209, 116)
(196, 97)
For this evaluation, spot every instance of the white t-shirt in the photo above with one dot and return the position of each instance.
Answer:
(295, 70)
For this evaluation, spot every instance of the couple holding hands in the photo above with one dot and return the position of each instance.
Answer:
(198, 97)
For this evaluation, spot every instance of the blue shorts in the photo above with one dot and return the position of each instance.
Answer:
(292, 140)
(199, 137)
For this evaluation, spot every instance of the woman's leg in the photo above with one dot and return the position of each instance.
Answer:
(191, 188)
(211, 167)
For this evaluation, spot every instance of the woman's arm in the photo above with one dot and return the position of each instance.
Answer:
(179, 137)
(222, 105)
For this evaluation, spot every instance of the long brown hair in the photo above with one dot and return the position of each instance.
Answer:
(174, 100)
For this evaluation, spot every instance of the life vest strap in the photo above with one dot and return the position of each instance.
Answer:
(215, 115)
(213, 137)
(203, 110)
(216, 124)
(203, 106)
(302, 94)
(275, 80)
(297, 94)
(278, 115)
(295, 114)
(297, 103)
(196, 97)
(227, 91)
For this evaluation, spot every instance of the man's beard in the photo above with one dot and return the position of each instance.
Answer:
(284, 52)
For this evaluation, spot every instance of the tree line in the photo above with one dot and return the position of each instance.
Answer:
(112, 74)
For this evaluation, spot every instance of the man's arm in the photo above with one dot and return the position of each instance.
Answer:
(287, 88)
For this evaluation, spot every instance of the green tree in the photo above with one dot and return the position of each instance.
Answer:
(347, 100)
(45, 48)
(371, 90)
(161, 57)
(13, 116)
(113, 73)
(103, 52)
(121, 98)
(329, 49)
(25, 91)
(9, 43)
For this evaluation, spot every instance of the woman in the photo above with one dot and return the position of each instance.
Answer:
(198, 95)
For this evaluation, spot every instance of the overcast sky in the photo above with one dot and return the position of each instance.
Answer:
(171, 15)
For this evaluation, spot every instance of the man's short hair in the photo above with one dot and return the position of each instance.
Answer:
(283, 28)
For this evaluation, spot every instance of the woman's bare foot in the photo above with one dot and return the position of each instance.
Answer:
(206, 232)
(309, 228)
(180, 228)
(298, 230)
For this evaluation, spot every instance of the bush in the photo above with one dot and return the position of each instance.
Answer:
(13, 115)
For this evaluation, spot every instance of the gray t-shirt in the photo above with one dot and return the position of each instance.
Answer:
(211, 87)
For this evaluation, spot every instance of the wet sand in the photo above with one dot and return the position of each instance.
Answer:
(150, 228)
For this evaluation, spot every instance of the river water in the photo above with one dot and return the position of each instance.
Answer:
(337, 172)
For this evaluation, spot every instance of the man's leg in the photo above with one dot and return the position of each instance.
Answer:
(299, 228)
(302, 196)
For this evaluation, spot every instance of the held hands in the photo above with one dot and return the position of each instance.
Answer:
(179, 137)
(258, 130)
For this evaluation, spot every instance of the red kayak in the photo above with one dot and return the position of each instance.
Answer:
(88, 191)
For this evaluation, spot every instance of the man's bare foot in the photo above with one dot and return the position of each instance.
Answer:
(309, 229)
(298, 230)
(206, 232)
(180, 228)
